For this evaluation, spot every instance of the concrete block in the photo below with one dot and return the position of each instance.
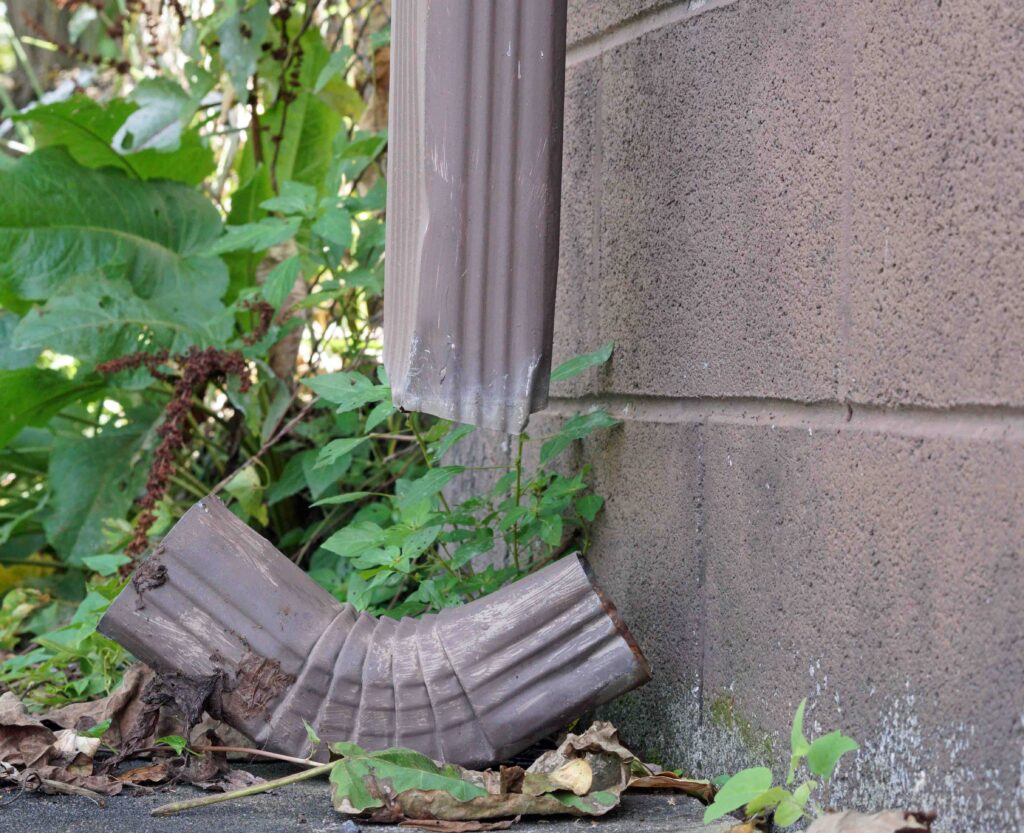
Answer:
(880, 575)
(936, 315)
(721, 204)
(645, 554)
(576, 302)
(592, 17)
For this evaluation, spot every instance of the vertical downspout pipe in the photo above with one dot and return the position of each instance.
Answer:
(474, 192)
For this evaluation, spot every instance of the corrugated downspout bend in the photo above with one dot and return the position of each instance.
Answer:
(470, 685)
(474, 190)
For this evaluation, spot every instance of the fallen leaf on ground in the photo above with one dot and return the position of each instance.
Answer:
(121, 707)
(888, 821)
(703, 790)
(155, 773)
(37, 757)
(584, 776)
(24, 740)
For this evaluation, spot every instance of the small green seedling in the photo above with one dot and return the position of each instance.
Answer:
(96, 731)
(176, 742)
(753, 788)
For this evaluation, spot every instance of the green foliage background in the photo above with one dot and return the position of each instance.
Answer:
(217, 183)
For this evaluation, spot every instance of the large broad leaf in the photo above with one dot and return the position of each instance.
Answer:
(401, 769)
(164, 111)
(240, 39)
(93, 478)
(30, 396)
(87, 131)
(129, 252)
(742, 788)
(11, 357)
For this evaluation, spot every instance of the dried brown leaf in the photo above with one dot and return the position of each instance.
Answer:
(148, 774)
(576, 776)
(703, 790)
(121, 708)
(24, 740)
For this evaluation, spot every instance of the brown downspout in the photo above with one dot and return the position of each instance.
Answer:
(218, 605)
(474, 191)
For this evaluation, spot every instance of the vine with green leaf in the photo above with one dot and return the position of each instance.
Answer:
(191, 290)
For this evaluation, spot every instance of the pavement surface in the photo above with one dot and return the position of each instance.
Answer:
(305, 807)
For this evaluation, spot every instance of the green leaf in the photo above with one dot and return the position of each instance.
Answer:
(825, 752)
(11, 357)
(60, 222)
(792, 807)
(31, 396)
(575, 366)
(455, 433)
(96, 731)
(92, 478)
(348, 390)
(401, 770)
(348, 497)
(176, 742)
(381, 411)
(743, 787)
(311, 736)
(427, 486)
(240, 39)
(798, 744)
(164, 111)
(787, 814)
(247, 489)
(766, 800)
(255, 237)
(589, 505)
(575, 429)
(87, 131)
(295, 198)
(335, 64)
(336, 449)
(355, 539)
(335, 226)
(551, 529)
(320, 479)
(106, 565)
(95, 320)
(280, 280)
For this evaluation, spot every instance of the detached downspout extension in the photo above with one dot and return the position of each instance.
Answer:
(474, 192)
(216, 608)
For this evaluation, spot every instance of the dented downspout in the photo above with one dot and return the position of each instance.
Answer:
(218, 608)
(474, 190)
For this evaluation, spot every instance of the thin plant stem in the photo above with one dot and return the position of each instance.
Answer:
(519, 495)
(266, 786)
(258, 753)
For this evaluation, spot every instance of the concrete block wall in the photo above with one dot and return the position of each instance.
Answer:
(802, 223)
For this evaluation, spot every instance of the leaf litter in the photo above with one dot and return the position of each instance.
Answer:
(77, 750)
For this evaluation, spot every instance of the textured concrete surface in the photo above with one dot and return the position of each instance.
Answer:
(935, 164)
(306, 808)
(802, 225)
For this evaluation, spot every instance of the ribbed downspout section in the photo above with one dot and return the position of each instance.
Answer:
(471, 685)
(474, 184)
